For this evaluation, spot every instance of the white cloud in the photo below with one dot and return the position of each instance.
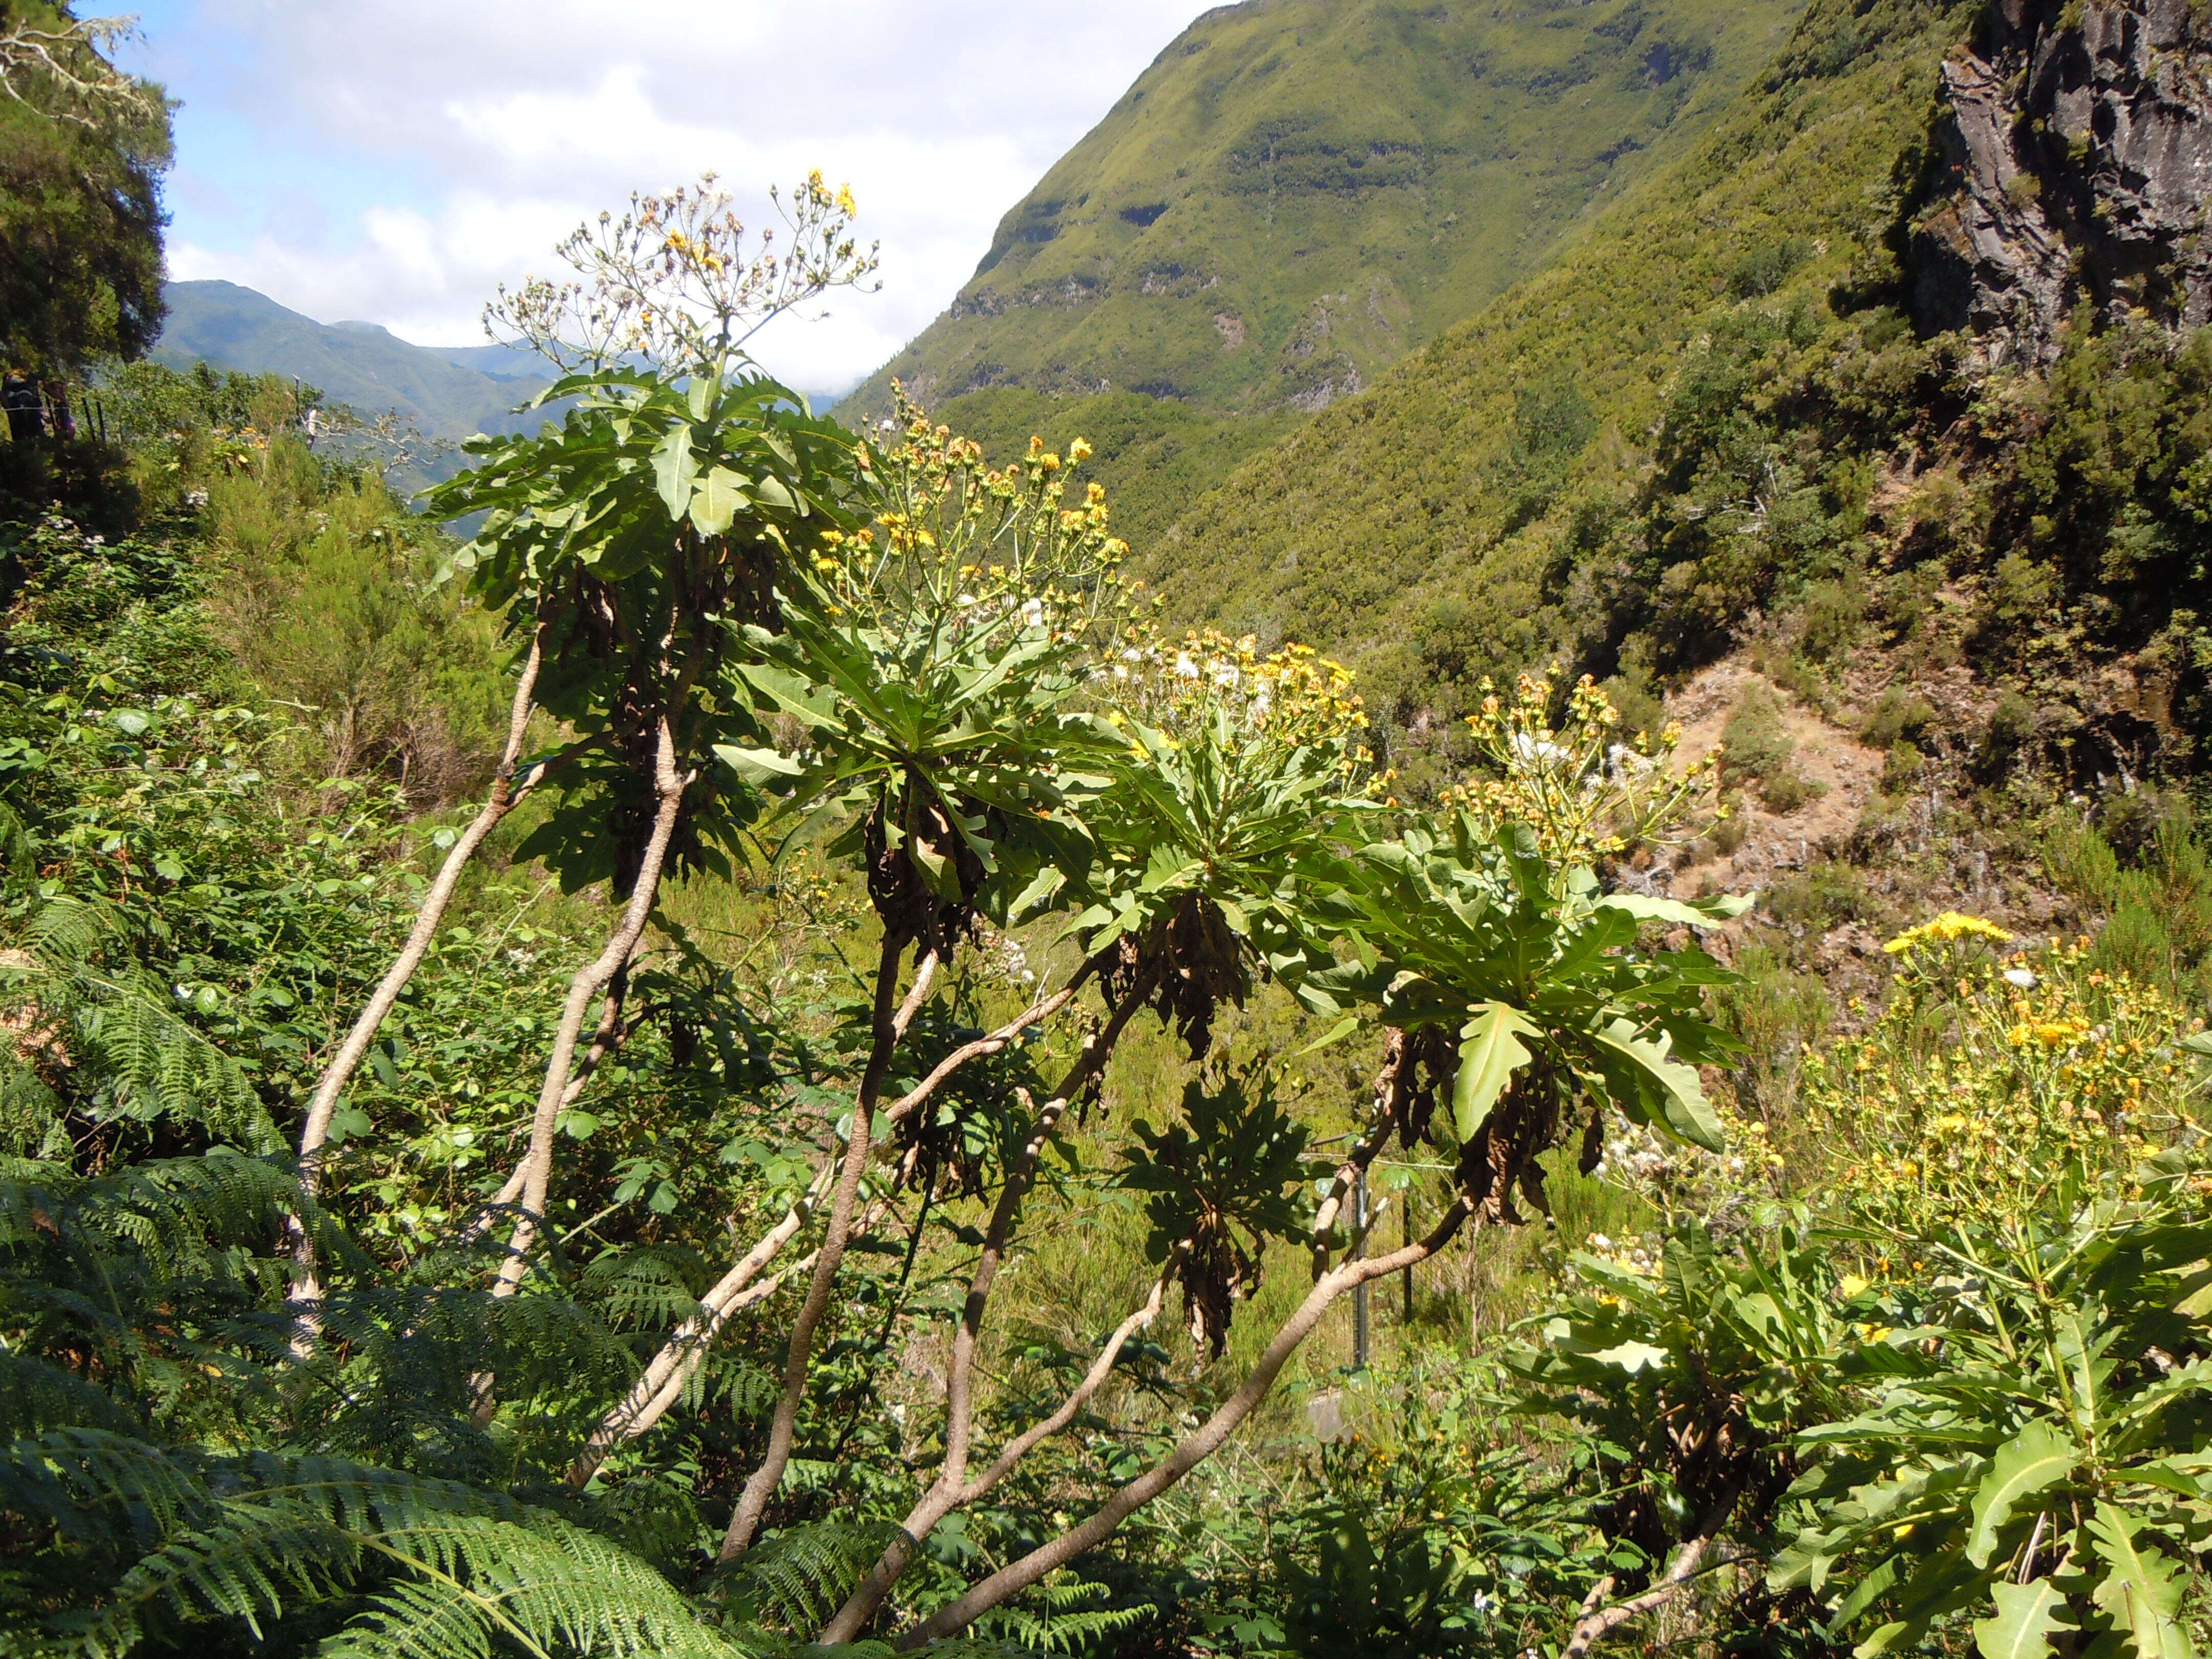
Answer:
(465, 138)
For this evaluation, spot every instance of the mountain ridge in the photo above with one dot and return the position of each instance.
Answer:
(1295, 194)
(447, 390)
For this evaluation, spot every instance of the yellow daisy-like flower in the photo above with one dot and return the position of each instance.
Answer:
(1947, 929)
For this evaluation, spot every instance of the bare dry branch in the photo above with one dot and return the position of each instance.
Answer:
(990, 1044)
(852, 1618)
(661, 1384)
(643, 1407)
(590, 980)
(72, 66)
(307, 1287)
(1597, 1621)
(950, 1491)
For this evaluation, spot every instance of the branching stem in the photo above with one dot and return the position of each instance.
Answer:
(951, 1490)
(1193, 1449)
(890, 1027)
(590, 980)
(1598, 1621)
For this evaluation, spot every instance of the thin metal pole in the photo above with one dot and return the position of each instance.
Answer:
(1359, 1291)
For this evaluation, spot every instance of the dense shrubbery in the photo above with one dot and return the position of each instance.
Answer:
(384, 1393)
(1713, 1427)
(863, 1134)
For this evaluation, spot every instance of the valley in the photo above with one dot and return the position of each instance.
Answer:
(1442, 893)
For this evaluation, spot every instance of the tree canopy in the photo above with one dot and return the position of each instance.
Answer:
(82, 149)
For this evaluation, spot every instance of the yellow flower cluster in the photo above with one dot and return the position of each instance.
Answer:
(975, 546)
(1292, 698)
(1947, 929)
(1986, 1086)
(1586, 792)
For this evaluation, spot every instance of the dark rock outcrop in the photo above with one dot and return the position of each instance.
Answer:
(2073, 163)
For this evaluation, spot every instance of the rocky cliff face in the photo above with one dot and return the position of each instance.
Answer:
(2072, 163)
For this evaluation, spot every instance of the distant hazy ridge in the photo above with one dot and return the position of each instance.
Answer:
(450, 392)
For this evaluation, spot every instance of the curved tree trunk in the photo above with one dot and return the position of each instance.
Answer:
(314, 1135)
(342, 1064)
(590, 980)
(643, 1405)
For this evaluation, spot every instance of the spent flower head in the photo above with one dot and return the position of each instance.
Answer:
(679, 282)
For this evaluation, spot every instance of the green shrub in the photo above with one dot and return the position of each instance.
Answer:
(1777, 1011)
(2135, 940)
(1901, 768)
(1728, 833)
(2078, 858)
(2010, 730)
(2019, 594)
(1753, 743)
(1788, 790)
(1833, 615)
(1827, 895)
(326, 590)
(1764, 269)
(1899, 713)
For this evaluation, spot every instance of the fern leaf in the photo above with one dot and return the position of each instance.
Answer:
(801, 1576)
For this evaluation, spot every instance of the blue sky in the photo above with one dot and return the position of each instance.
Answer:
(393, 160)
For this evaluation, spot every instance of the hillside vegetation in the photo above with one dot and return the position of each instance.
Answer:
(767, 1058)
(448, 392)
(1463, 498)
(1295, 195)
(1719, 407)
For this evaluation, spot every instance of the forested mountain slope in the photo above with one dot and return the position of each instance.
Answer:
(1822, 369)
(1074, 1154)
(1295, 194)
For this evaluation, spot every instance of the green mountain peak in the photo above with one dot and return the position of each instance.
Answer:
(1297, 193)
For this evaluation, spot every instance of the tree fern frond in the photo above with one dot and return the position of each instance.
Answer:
(30, 1111)
(550, 1586)
(750, 1390)
(35, 1396)
(1062, 1632)
(649, 1289)
(252, 1561)
(802, 1576)
(1066, 1623)
(451, 1570)
(160, 1065)
(123, 1021)
(69, 931)
(94, 1483)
